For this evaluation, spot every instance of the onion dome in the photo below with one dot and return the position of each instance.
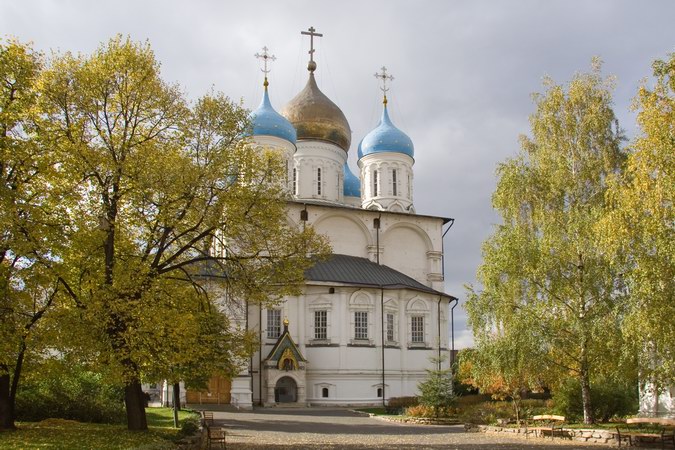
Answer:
(352, 185)
(316, 117)
(386, 138)
(267, 122)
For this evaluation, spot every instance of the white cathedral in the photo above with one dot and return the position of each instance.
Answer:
(371, 317)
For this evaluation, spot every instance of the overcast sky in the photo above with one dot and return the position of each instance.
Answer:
(464, 72)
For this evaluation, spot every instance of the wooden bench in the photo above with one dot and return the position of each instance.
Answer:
(216, 435)
(664, 431)
(207, 418)
(546, 423)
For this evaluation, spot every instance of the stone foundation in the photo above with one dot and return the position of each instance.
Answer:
(606, 437)
(419, 420)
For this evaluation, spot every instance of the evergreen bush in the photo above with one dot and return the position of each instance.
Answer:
(436, 390)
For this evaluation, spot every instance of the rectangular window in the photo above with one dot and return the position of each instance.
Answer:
(390, 327)
(318, 181)
(321, 325)
(393, 179)
(361, 325)
(375, 180)
(295, 181)
(273, 323)
(417, 329)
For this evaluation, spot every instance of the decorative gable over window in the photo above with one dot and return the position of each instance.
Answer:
(285, 354)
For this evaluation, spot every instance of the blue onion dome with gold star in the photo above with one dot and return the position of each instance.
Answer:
(352, 185)
(316, 117)
(266, 121)
(386, 138)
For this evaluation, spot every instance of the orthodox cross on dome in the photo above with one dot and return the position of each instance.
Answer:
(265, 57)
(384, 77)
(311, 65)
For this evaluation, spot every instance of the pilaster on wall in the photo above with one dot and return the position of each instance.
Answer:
(373, 252)
(241, 393)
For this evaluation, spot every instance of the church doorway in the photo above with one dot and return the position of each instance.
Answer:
(286, 390)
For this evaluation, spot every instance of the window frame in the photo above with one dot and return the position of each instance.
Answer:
(375, 182)
(320, 329)
(295, 181)
(394, 183)
(417, 330)
(318, 181)
(273, 323)
(361, 326)
(391, 327)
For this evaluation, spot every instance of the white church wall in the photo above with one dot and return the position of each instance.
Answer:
(386, 181)
(411, 244)
(285, 148)
(319, 171)
(348, 235)
(351, 369)
(657, 405)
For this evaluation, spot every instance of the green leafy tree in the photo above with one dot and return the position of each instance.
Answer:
(167, 193)
(436, 390)
(544, 271)
(640, 231)
(31, 216)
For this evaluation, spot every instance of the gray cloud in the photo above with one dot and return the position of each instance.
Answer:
(464, 73)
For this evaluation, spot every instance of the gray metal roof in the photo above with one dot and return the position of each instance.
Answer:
(357, 271)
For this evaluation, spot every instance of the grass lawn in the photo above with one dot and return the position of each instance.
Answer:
(69, 434)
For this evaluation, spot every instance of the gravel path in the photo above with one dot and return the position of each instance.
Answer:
(323, 428)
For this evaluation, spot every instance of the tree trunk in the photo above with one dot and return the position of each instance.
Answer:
(516, 407)
(6, 401)
(133, 400)
(176, 403)
(584, 378)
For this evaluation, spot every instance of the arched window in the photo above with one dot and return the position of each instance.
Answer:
(375, 182)
(394, 181)
(324, 392)
(295, 181)
(379, 392)
(318, 181)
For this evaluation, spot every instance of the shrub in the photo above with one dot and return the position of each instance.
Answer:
(429, 411)
(189, 426)
(472, 399)
(78, 395)
(609, 399)
(478, 410)
(485, 413)
(396, 405)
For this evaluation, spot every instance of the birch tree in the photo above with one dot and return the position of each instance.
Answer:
(640, 231)
(544, 271)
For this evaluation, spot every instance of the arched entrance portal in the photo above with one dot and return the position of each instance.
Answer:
(286, 390)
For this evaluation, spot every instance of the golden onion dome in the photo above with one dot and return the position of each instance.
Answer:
(316, 117)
